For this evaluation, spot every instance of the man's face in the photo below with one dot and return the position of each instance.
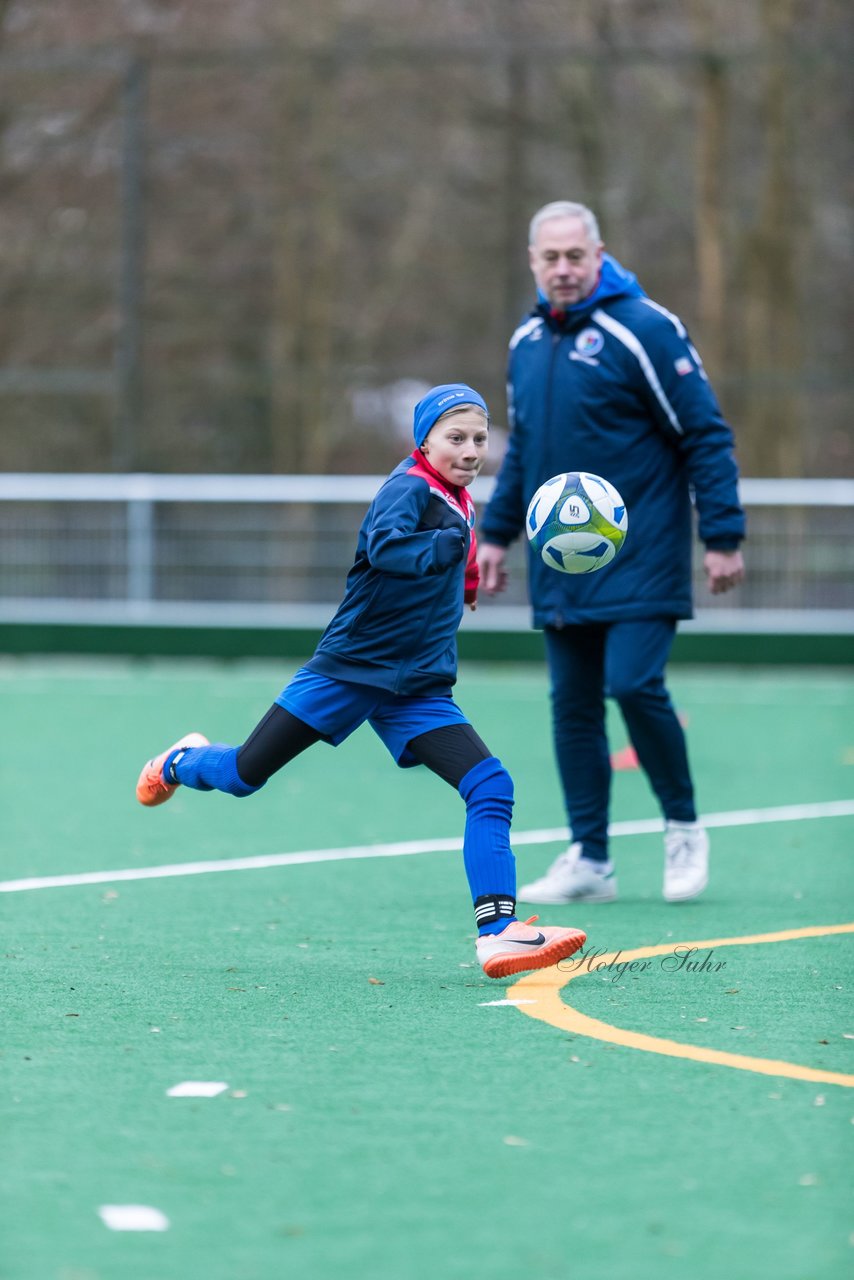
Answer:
(565, 262)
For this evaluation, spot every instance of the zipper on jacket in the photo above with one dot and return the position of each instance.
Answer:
(406, 667)
(557, 338)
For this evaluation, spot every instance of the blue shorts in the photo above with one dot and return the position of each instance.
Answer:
(335, 708)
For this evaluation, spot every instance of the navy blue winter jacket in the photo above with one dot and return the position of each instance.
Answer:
(415, 567)
(617, 388)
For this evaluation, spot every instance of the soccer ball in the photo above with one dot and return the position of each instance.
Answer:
(577, 522)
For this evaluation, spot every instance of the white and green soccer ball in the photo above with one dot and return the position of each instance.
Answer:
(576, 522)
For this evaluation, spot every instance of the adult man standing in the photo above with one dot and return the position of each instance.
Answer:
(603, 379)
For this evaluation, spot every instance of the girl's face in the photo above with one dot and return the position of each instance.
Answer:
(456, 445)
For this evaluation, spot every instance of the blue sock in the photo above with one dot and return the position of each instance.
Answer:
(212, 768)
(490, 866)
(497, 926)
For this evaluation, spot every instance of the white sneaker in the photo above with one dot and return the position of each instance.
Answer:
(686, 860)
(572, 878)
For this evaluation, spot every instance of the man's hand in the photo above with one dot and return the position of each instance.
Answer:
(724, 570)
(493, 574)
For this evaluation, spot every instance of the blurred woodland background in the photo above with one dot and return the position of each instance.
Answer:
(241, 236)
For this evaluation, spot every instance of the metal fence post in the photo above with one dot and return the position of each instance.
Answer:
(140, 550)
(128, 356)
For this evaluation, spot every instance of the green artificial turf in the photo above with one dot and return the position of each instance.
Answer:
(382, 1119)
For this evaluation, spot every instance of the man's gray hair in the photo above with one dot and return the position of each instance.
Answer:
(565, 209)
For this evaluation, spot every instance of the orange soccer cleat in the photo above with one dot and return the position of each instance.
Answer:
(152, 788)
(519, 947)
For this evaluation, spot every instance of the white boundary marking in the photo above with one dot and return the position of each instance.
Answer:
(197, 1089)
(133, 1217)
(402, 848)
(496, 1004)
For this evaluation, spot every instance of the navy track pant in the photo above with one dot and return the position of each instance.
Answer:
(624, 661)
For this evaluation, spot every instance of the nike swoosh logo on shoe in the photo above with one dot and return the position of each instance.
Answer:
(528, 942)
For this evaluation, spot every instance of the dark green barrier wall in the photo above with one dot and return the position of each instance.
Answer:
(489, 646)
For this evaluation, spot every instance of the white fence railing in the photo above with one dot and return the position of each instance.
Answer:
(275, 550)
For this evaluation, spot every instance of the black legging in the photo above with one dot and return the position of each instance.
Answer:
(449, 752)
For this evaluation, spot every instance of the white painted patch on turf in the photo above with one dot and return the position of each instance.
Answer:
(197, 1089)
(133, 1217)
(495, 1004)
(402, 848)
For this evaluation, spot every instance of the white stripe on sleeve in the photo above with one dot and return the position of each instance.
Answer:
(674, 320)
(629, 340)
(535, 322)
(682, 331)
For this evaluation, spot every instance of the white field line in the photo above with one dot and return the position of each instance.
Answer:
(197, 1089)
(497, 1004)
(402, 848)
(133, 1217)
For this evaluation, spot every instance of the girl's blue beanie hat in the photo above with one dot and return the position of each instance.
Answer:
(438, 401)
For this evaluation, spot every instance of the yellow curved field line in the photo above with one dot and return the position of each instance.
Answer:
(541, 993)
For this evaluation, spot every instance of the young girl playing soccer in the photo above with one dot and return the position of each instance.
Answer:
(389, 656)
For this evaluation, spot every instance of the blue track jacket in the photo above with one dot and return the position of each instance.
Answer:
(617, 388)
(415, 568)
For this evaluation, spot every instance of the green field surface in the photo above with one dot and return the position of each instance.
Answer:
(385, 1115)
